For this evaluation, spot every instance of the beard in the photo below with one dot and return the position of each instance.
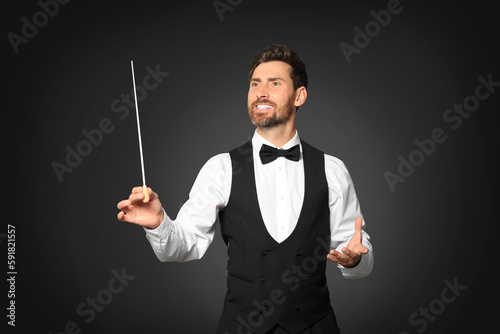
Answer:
(280, 115)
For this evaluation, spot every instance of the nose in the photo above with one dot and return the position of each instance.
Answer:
(262, 92)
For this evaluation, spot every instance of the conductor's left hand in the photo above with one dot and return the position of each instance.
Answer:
(350, 255)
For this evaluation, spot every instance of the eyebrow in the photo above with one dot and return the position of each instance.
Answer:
(269, 79)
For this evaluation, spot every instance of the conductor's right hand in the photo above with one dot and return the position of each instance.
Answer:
(135, 211)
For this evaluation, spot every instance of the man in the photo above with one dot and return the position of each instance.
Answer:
(284, 208)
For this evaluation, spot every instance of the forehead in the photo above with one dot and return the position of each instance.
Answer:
(273, 69)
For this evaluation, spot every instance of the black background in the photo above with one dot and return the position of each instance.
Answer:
(436, 226)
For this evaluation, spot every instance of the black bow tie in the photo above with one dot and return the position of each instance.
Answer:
(269, 154)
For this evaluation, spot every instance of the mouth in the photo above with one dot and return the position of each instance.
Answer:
(262, 107)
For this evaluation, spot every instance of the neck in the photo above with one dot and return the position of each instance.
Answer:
(278, 135)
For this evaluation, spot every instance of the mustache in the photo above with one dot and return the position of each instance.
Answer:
(265, 101)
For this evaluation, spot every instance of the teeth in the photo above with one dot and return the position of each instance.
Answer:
(263, 106)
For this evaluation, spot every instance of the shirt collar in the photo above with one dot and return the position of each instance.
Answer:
(258, 140)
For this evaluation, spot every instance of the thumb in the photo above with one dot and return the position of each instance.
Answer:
(365, 250)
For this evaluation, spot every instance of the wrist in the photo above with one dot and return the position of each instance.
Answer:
(159, 220)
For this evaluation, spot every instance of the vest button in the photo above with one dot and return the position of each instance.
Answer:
(297, 281)
(299, 253)
(264, 253)
(263, 279)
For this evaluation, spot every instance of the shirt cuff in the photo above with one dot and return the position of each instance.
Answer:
(364, 267)
(156, 235)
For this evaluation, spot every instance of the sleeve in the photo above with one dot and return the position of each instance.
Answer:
(344, 208)
(188, 237)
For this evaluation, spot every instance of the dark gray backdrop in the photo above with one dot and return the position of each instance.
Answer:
(436, 227)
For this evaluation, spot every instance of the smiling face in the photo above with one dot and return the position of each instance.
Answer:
(271, 97)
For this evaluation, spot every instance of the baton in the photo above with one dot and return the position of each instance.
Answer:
(144, 187)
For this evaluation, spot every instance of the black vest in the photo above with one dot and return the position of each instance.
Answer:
(268, 282)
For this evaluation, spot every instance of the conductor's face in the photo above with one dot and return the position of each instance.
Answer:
(271, 97)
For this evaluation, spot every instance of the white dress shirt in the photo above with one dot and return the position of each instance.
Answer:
(280, 192)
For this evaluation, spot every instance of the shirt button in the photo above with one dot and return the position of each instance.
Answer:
(282, 227)
(280, 168)
(281, 198)
(263, 279)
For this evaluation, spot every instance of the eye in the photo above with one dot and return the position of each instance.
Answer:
(254, 84)
(275, 84)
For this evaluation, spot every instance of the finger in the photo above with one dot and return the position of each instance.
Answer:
(123, 204)
(352, 253)
(358, 226)
(338, 258)
(348, 252)
(136, 190)
(136, 197)
(121, 216)
(338, 255)
(152, 194)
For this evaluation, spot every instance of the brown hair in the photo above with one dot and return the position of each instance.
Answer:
(282, 53)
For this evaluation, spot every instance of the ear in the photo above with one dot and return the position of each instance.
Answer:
(300, 96)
